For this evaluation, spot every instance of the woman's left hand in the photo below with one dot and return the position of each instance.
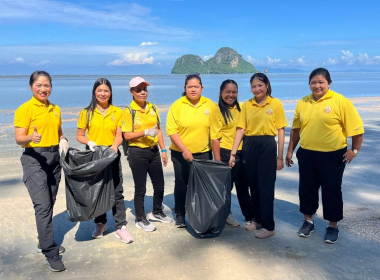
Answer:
(164, 158)
(349, 156)
(280, 164)
(114, 148)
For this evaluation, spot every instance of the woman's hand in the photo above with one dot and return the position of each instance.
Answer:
(164, 158)
(188, 156)
(36, 138)
(280, 163)
(349, 156)
(91, 145)
(231, 162)
(288, 159)
(114, 148)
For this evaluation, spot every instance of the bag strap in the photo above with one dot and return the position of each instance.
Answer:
(133, 113)
(155, 110)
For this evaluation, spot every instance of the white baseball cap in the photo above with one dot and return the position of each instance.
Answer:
(136, 81)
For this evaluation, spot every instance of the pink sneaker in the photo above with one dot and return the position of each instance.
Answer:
(99, 230)
(124, 235)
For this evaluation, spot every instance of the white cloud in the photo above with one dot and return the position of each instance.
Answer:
(331, 61)
(133, 59)
(43, 62)
(267, 61)
(362, 58)
(148, 43)
(207, 57)
(131, 17)
(17, 60)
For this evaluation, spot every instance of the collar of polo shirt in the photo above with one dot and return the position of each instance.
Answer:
(328, 94)
(268, 101)
(36, 102)
(137, 107)
(201, 101)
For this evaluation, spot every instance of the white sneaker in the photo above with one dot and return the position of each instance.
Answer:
(144, 224)
(232, 221)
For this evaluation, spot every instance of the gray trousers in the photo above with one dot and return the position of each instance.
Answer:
(42, 174)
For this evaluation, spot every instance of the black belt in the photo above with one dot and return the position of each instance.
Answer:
(43, 149)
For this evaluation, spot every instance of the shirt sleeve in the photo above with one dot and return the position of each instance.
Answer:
(22, 117)
(296, 120)
(82, 121)
(119, 121)
(172, 120)
(242, 121)
(216, 126)
(351, 119)
(280, 118)
(126, 123)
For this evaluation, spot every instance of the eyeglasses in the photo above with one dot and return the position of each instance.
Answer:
(138, 90)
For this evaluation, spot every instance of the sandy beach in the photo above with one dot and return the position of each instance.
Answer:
(171, 253)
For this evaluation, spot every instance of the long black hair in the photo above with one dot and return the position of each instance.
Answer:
(190, 77)
(90, 108)
(223, 106)
(263, 78)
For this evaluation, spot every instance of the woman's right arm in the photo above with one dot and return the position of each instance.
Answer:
(293, 142)
(238, 137)
(23, 139)
(81, 136)
(176, 139)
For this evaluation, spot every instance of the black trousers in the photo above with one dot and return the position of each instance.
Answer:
(145, 161)
(325, 170)
(259, 155)
(239, 177)
(118, 210)
(42, 174)
(181, 178)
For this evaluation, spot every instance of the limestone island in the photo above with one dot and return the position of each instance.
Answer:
(225, 61)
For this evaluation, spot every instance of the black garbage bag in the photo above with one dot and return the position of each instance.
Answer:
(89, 182)
(208, 198)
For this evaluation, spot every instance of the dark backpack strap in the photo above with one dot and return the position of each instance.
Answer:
(133, 113)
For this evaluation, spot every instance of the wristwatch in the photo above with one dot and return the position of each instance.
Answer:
(355, 151)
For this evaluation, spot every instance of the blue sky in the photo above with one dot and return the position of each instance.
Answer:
(146, 37)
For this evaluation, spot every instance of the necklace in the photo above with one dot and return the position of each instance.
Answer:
(103, 111)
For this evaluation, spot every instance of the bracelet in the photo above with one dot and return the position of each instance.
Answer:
(163, 151)
(234, 155)
(280, 158)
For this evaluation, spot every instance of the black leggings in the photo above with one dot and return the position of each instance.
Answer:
(239, 177)
(145, 161)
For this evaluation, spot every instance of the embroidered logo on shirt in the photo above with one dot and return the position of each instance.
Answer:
(113, 118)
(207, 112)
(269, 112)
(327, 110)
(152, 112)
(56, 114)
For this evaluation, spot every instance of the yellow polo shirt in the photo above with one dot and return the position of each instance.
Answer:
(102, 129)
(144, 119)
(325, 124)
(47, 119)
(265, 119)
(219, 129)
(192, 123)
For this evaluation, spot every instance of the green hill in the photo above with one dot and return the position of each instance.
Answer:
(225, 61)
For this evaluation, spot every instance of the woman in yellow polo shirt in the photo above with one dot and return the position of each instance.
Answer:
(38, 130)
(261, 119)
(188, 126)
(222, 130)
(141, 127)
(322, 122)
(102, 121)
